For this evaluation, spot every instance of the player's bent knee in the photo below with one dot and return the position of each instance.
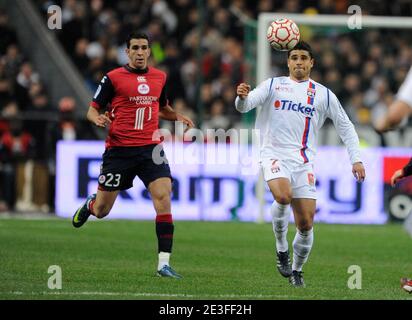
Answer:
(162, 202)
(163, 197)
(305, 226)
(284, 199)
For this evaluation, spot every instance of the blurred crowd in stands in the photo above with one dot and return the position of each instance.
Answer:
(363, 68)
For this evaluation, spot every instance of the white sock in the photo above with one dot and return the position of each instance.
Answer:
(163, 259)
(280, 223)
(302, 244)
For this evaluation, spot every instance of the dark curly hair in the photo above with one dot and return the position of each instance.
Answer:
(302, 45)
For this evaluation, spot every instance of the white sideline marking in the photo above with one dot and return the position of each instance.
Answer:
(145, 294)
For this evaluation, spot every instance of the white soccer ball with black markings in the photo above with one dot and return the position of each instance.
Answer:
(283, 34)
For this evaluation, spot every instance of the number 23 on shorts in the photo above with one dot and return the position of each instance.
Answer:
(110, 179)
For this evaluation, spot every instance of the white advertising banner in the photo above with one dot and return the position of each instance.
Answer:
(217, 182)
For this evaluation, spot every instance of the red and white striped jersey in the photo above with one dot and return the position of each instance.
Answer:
(134, 97)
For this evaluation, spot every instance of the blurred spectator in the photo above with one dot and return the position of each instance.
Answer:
(377, 97)
(25, 78)
(66, 127)
(80, 57)
(74, 23)
(16, 146)
(12, 61)
(10, 110)
(265, 6)
(357, 111)
(217, 118)
(6, 88)
(8, 35)
(292, 6)
(189, 73)
(181, 107)
(172, 65)
(38, 114)
(161, 10)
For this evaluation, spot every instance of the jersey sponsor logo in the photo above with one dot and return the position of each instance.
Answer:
(291, 106)
(143, 88)
(143, 100)
(283, 89)
(141, 79)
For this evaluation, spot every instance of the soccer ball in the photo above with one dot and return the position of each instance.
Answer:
(283, 34)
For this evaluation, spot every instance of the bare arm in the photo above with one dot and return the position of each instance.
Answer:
(100, 120)
(397, 111)
(167, 113)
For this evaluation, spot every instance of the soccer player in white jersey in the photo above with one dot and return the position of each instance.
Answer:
(399, 110)
(291, 111)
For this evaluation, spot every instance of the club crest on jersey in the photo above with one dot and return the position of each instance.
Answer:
(143, 88)
(275, 166)
(311, 179)
(102, 179)
(311, 92)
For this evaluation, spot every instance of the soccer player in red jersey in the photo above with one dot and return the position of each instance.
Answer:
(137, 97)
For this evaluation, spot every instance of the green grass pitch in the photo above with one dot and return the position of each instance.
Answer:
(228, 260)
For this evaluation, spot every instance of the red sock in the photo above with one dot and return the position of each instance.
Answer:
(91, 205)
(164, 232)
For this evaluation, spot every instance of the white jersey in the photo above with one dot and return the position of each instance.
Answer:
(405, 91)
(290, 116)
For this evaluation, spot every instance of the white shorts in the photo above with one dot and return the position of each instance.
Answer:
(301, 177)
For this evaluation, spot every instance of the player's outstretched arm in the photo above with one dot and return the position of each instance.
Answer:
(397, 111)
(100, 120)
(167, 113)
